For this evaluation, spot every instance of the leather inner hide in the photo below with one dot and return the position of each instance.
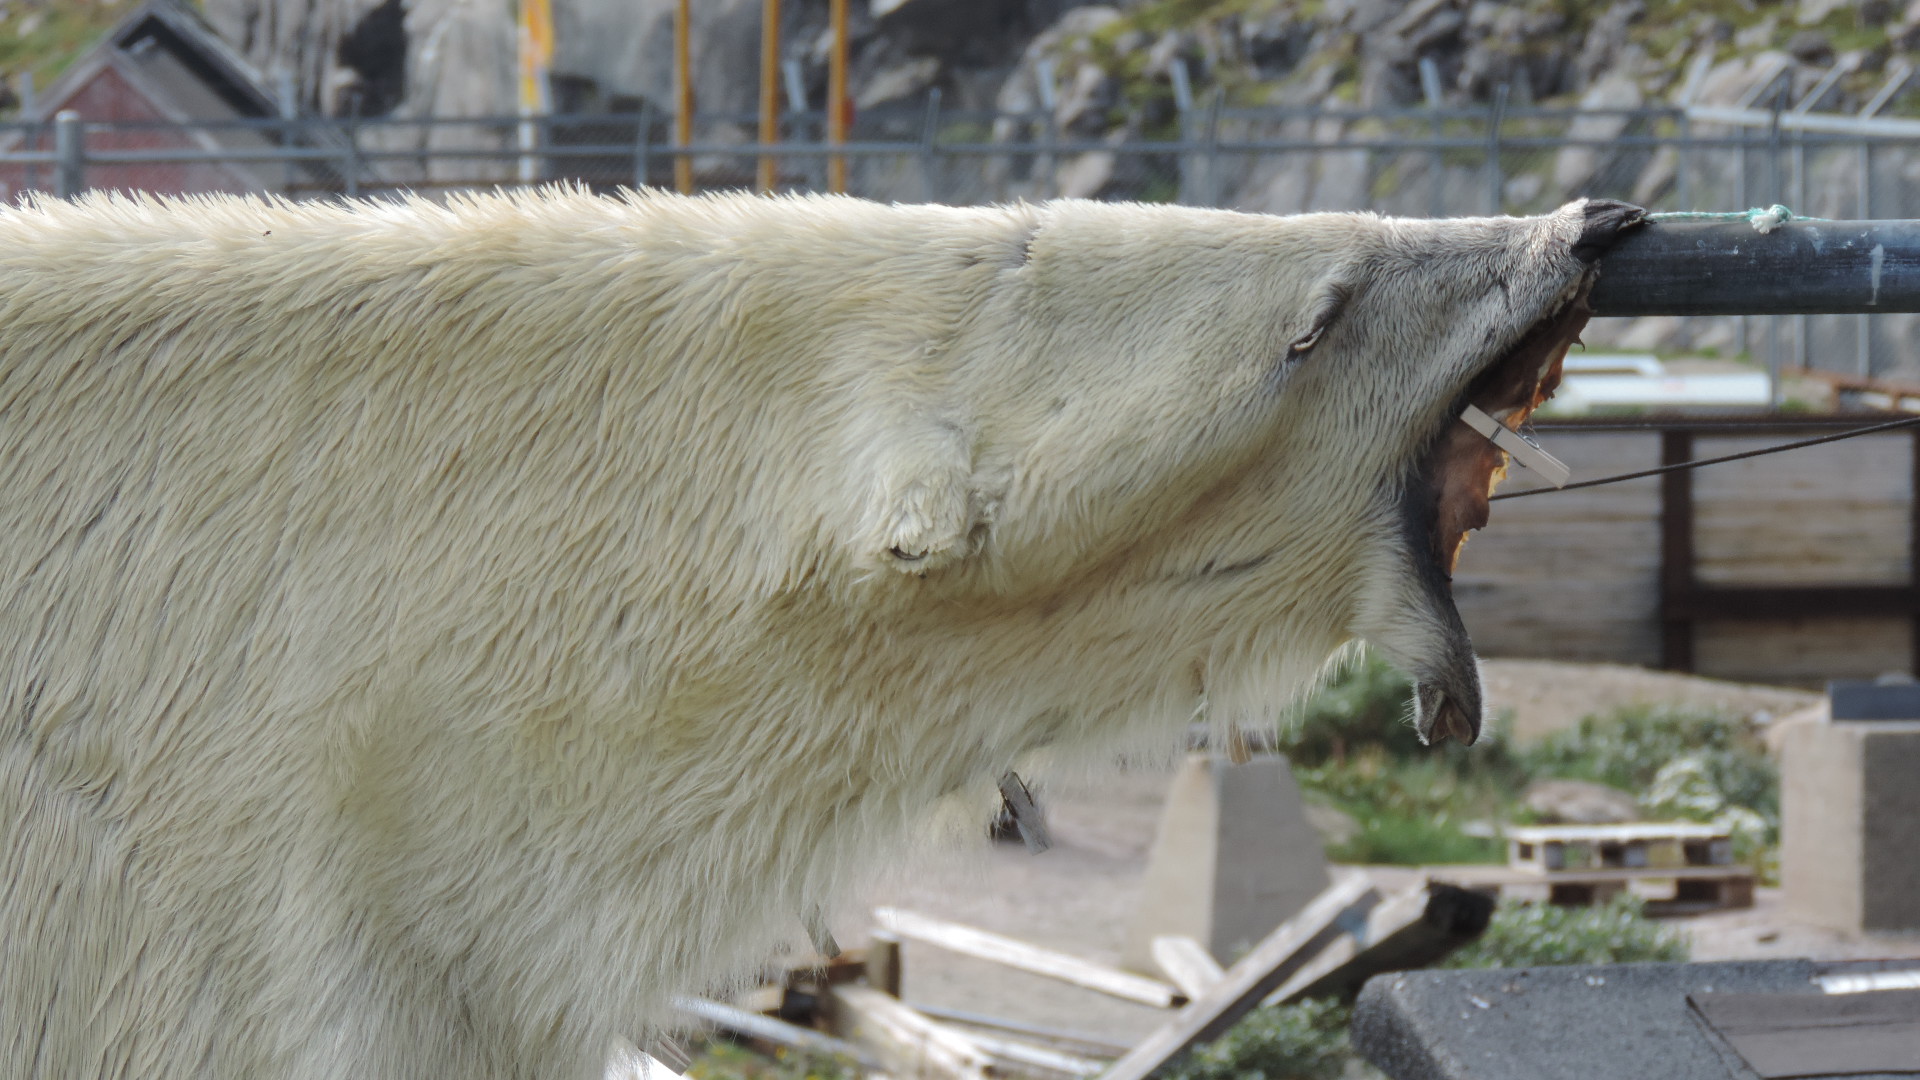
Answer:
(1466, 467)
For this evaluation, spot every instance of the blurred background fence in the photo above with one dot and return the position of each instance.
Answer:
(1432, 162)
(1429, 162)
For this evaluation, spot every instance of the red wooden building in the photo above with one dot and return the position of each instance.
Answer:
(161, 68)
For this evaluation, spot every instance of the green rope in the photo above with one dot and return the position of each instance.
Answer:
(1764, 219)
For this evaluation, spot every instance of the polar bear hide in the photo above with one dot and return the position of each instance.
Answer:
(431, 635)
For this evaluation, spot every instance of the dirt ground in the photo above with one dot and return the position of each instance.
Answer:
(1544, 696)
(1079, 896)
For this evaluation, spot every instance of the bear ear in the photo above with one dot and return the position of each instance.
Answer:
(922, 511)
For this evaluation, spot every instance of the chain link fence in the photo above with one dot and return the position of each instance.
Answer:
(1434, 162)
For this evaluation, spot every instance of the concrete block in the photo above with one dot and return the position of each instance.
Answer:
(1850, 699)
(1235, 856)
(1580, 1022)
(1850, 809)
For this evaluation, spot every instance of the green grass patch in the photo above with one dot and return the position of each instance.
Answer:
(1298, 1042)
(1540, 935)
(1353, 747)
(1411, 841)
(1685, 763)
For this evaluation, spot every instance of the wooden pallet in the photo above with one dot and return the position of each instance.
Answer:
(1675, 890)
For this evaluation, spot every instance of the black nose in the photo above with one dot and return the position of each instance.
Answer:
(1606, 220)
(1440, 716)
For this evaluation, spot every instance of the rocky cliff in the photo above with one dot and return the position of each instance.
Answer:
(1111, 62)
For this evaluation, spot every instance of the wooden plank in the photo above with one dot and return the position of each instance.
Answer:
(1793, 602)
(1913, 547)
(1472, 876)
(883, 961)
(1572, 575)
(1579, 575)
(902, 1040)
(1184, 960)
(1270, 963)
(1806, 651)
(629, 1062)
(984, 945)
(769, 1029)
(1076, 1041)
(1834, 514)
(1030, 1057)
(1415, 928)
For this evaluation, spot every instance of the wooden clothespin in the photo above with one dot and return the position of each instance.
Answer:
(1525, 451)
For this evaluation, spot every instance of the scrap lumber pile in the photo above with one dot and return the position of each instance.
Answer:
(851, 1006)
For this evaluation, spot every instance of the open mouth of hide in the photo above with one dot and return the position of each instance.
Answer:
(1464, 466)
(1461, 472)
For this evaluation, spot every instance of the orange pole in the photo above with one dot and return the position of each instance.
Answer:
(837, 98)
(683, 96)
(769, 91)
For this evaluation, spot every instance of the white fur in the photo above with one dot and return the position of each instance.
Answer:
(430, 636)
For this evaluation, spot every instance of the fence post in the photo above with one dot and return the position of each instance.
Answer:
(1213, 144)
(1044, 164)
(1183, 104)
(287, 89)
(70, 154)
(1496, 179)
(1435, 99)
(929, 136)
(34, 132)
(351, 163)
(643, 146)
(1683, 168)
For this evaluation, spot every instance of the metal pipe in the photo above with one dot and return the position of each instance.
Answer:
(683, 96)
(1824, 123)
(837, 103)
(768, 176)
(70, 154)
(1727, 268)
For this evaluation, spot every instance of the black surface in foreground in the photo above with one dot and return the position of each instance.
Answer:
(1605, 1022)
(1729, 268)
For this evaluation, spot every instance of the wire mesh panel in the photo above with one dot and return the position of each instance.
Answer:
(1435, 162)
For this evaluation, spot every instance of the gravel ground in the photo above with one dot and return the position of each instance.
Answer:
(1545, 696)
(1076, 897)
